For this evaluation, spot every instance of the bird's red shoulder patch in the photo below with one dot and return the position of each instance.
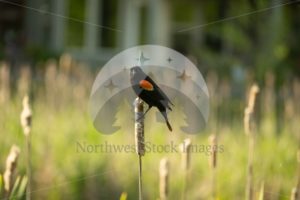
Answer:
(146, 85)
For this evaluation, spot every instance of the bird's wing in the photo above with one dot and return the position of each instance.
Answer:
(161, 95)
(146, 85)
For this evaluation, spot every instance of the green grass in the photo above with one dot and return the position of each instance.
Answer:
(60, 171)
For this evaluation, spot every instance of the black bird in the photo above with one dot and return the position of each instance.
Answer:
(149, 92)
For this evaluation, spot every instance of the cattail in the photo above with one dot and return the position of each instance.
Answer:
(4, 82)
(26, 116)
(185, 148)
(139, 137)
(253, 96)
(213, 157)
(11, 164)
(139, 127)
(249, 126)
(249, 110)
(26, 125)
(163, 178)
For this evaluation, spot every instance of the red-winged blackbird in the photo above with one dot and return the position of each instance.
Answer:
(149, 92)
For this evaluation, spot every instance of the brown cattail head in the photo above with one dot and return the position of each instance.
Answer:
(139, 127)
(26, 116)
(163, 178)
(214, 145)
(185, 149)
(11, 164)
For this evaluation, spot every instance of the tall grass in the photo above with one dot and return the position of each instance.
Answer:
(60, 94)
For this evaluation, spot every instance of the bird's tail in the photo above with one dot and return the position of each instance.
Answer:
(164, 113)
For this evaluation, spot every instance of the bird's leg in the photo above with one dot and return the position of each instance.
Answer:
(144, 113)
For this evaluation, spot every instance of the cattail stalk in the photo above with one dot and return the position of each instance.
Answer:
(11, 164)
(295, 191)
(139, 138)
(185, 148)
(163, 179)
(213, 162)
(26, 125)
(249, 127)
(4, 82)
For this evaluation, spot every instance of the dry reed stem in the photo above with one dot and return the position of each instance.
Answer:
(249, 130)
(247, 120)
(213, 163)
(249, 110)
(185, 148)
(4, 82)
(253, 96)
(163, 179)
(11, 164)
(213, 158)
